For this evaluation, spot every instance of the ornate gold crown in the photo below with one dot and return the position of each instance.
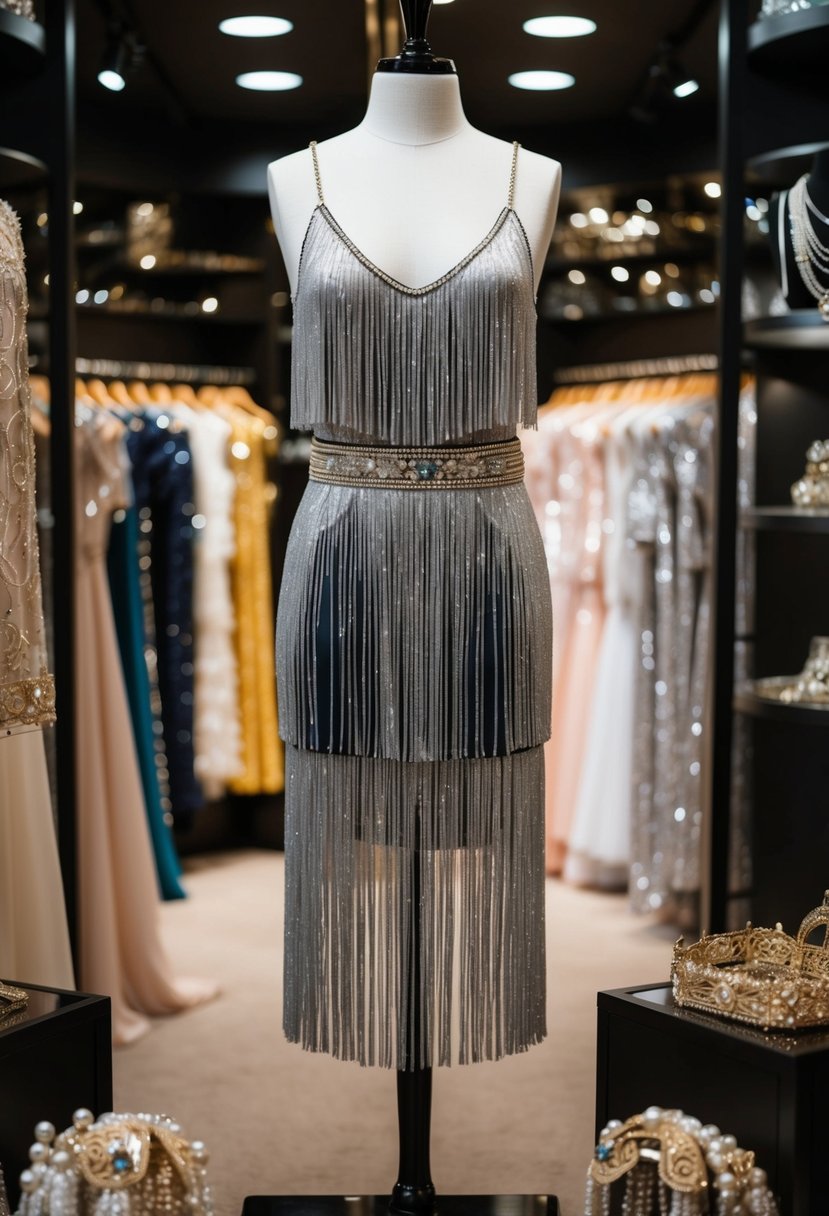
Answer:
(760, 976)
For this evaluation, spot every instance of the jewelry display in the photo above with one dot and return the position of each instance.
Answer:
(778, 8)
(665, 1157)
(115, 1165)
(812, 489)
(762, 977)
(12, 1002)
(810, 254)
(22, 8)
(810, 687)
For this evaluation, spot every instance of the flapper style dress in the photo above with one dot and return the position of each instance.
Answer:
(414, 642)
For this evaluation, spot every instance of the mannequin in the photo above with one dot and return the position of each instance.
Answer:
(415, 187)
(780, 237)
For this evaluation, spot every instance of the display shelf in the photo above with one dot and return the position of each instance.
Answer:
(634, 314)
(785, 519)
(783, 166)
(183, 270)
(164, 314)
(559, 265)
(791, 47)
(22, 46)
(747, 702)
(19, 170)
(801, 329)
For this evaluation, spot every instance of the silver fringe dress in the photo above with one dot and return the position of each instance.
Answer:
(414, 639)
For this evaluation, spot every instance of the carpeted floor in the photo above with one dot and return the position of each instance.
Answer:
(278, 1120)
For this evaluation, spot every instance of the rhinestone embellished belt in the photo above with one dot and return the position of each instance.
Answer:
(480, 465)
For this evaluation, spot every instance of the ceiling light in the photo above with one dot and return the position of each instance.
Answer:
(620, 273)
(578, 220)
(442, 1)
(269, 82)
(77, 208)
(559, 27)
(122, 54)
(112, 79)
(577, 277)
(147, 262)
(653, 277)
(645, 205)
(541, 80)
(713, 189)
(686, 87)
(209, 304)
(255, 27)
(598, 215)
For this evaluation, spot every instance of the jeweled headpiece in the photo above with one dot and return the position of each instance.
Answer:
(760, 976)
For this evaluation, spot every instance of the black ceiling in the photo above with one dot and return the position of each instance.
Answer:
(184, 101)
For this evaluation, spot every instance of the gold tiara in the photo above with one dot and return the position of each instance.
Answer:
(762, 977)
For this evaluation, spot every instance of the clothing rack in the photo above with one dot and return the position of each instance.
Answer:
(186, 373)
(634, 369)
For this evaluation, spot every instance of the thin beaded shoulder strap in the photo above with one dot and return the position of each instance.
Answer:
(317, 178)
(511, 195)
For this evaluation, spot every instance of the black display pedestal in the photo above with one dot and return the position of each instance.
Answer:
(768, 1090)
(54, 1059)
(378, 1205)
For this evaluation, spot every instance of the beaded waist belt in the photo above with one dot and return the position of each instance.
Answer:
(481, 465)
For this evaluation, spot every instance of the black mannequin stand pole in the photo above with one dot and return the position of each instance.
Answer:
(414, 1191)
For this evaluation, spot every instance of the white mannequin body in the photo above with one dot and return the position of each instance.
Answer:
(415, 187)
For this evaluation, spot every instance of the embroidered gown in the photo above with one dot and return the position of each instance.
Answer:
(413, 670)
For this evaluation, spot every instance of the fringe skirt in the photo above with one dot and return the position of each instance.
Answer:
(414, 665)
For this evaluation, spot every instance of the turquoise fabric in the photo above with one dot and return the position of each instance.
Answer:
(122, 564)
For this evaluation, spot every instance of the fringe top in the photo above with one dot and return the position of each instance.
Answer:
(450, 362)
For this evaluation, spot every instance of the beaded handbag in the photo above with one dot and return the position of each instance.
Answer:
(664, 1157)
(115, 1165)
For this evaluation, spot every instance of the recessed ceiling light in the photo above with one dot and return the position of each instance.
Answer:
(713, 189)
(255, 27)
(542, 80)
(269, 82)
(559, 27)
(685, 88)
(441, 1)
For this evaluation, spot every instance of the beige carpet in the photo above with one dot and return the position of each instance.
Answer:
(278, 1120)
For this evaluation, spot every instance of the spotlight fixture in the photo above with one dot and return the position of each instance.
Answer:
(122, 55)
(665, 78)
(255, 27)
(541, 80)
(559, 27)
(269, 82)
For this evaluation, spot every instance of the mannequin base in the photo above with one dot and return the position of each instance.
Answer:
(413, 1201)
(378, 1205)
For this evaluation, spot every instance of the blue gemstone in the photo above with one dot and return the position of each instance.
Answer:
(426, 469)
(121, 1160)
(604, 1152)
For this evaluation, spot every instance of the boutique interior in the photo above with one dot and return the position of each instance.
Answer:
(151, 470)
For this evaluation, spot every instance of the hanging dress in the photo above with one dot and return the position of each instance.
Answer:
(34, 938)
(414, 661)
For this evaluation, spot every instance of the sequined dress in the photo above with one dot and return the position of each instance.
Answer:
(413, 670)
(34, 939)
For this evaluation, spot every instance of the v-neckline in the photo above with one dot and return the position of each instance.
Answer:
(394, 283)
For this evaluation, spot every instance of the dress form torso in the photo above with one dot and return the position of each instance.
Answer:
(414, 186)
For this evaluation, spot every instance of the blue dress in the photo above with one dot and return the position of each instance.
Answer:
(122, 564)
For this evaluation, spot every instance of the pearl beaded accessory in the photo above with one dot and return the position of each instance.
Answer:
(115, 1165)
(665, 1157)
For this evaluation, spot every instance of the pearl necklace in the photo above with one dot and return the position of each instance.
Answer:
(810, 254)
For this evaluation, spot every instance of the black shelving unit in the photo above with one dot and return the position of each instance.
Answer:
(786, 762)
